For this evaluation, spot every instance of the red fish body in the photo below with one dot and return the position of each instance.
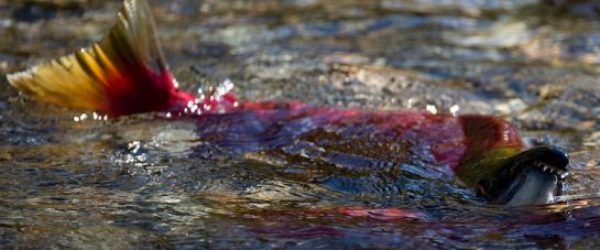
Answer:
(126, 73)
(441, 139)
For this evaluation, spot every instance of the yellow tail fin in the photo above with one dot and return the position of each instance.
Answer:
(122, 74)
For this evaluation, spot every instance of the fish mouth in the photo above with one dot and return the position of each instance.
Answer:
(532, 177)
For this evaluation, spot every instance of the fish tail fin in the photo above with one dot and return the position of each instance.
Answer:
(124, 73)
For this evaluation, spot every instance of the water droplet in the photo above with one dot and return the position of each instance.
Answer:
(432, 109)
(454, 109)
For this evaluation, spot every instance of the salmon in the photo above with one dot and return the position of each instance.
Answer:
(126, 73)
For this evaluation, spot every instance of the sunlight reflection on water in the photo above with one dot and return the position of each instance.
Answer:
(150, 181)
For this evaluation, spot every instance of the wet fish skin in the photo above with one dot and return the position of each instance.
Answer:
(126, 73)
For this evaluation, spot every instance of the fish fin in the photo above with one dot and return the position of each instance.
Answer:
(122, 74)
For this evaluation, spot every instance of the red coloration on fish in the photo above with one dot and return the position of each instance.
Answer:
(486, 133)
(385, 214)
(336, 213)
(451, 140)
(126, 73)
(140, 90)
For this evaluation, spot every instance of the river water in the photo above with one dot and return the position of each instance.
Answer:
(144, 181)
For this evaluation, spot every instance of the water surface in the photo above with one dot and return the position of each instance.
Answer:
(144, 181)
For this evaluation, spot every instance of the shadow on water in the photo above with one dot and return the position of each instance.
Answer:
(148, 182)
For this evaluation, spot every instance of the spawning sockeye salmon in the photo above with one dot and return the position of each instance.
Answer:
(126, 73)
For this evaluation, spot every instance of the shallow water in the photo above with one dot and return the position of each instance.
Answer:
(148, 182)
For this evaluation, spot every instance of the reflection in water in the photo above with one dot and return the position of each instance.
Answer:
(150, 182)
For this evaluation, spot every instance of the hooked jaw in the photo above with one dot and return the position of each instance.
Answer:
(532, 177)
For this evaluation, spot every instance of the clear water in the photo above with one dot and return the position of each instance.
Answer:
(148, 182)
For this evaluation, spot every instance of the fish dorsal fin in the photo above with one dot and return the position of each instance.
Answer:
(122, 74)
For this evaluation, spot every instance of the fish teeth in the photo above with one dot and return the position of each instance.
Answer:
(550, 169)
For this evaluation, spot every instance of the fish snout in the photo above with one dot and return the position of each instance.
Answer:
(534, 176)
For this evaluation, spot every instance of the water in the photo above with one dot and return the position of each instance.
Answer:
(148, 182)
